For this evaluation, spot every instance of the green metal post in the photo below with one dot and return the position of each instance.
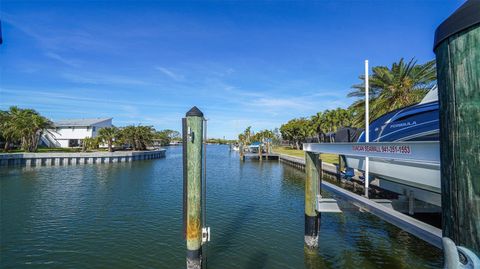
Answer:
(193, 179)
(312, 187)
(457, 47)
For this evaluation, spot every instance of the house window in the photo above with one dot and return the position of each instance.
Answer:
(93, 128)
(73, 143)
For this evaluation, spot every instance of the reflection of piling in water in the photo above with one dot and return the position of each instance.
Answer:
(312, 259)
(312, 187)
(192, 139)
(457, 42)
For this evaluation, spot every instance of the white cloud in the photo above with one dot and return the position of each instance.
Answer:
(169, 73)
(103, 79)
(63, 60)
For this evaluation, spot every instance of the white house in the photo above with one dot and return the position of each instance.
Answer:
(70, 133)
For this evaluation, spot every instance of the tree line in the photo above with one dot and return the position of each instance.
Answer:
(136, 137)
(23, 128)
(400, 85)
(248, 136)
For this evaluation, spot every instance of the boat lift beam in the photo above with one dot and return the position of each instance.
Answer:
(424, 152)
(407, 151)
(424, 231)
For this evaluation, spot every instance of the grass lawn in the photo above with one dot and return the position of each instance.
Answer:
(328, 158)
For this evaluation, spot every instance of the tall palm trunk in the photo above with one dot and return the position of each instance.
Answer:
(110, 148)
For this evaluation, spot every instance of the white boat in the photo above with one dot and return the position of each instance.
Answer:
(419, 122)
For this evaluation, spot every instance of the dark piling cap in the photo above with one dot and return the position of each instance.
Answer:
(464, 17)
(194, 112)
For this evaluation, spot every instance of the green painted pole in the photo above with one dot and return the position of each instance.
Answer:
(193, 173)
(457, 49)
(312, 187)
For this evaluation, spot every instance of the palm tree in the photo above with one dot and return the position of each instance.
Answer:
(401, 85)
(89, 143)
(26, 126)
(6, 131)
(297, 130)
(241, 138)
(108, 135)
(318, 124)
(138, 137)
(248, 134)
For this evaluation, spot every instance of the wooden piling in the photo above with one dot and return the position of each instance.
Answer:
(193, 141)
(267, 150)
(340, 167)
(242, 157)
(312, 187)
(260, 152)
(457, 49)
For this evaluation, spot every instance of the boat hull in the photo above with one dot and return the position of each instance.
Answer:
(403, 176)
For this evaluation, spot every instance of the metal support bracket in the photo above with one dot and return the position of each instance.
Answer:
(328, 205)
(205, 235)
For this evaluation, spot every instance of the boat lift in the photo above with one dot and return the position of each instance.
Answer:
(407, 152)
(411, 168)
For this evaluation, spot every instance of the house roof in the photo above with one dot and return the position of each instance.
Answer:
(80, 122)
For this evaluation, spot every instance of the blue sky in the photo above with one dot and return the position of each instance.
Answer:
(242, 63)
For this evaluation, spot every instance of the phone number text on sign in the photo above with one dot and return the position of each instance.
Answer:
(383, 149)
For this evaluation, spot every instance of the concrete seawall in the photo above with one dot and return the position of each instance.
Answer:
(67, 158)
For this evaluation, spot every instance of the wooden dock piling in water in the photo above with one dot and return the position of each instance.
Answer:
(193, 153)
(457, 49)
(313, 173)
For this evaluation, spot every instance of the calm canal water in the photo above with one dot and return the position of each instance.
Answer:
(130, 216)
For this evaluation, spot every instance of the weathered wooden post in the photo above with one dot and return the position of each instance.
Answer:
(340, 167)
(260, 152)
(312, 187)
(267, 150)
(242, 158)
(457, 47)
(192, 173)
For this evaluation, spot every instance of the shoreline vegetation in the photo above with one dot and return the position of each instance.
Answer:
(22, 130)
